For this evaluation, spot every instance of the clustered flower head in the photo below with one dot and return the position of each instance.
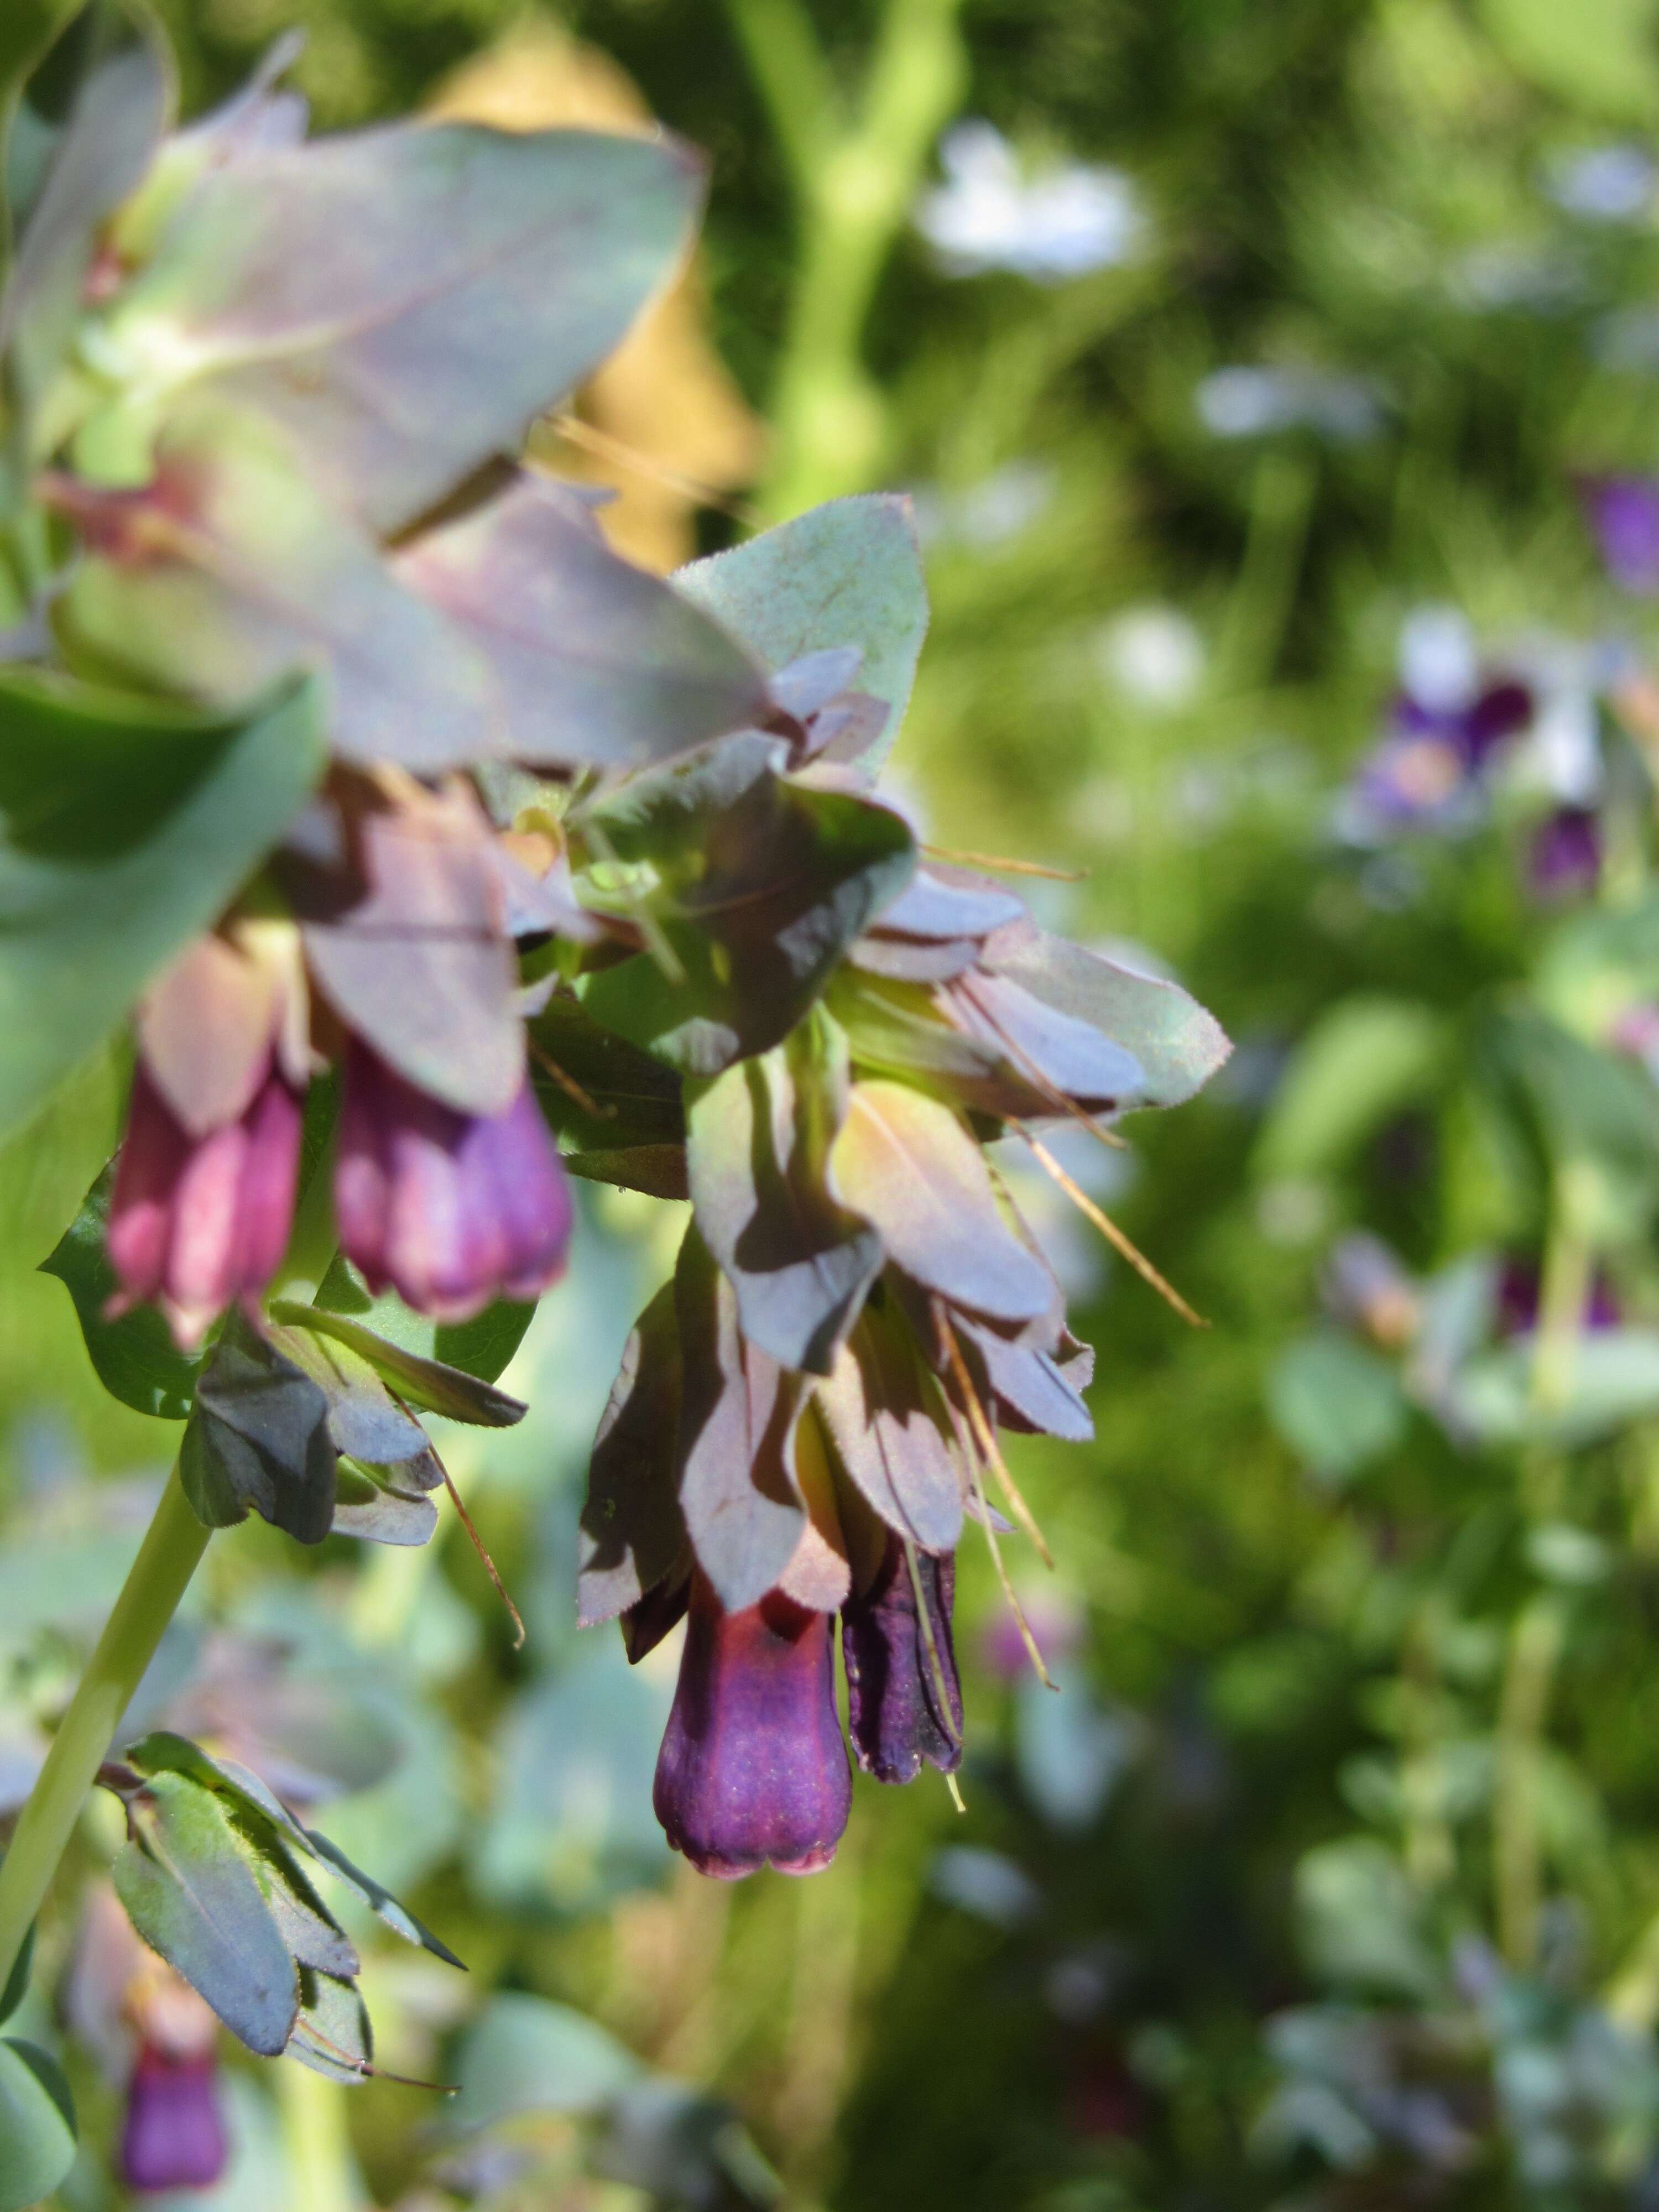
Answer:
(527, 864)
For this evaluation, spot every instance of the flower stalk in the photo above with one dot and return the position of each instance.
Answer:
(168, 1558)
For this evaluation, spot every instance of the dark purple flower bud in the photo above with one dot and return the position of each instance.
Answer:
(174, 2136)
(753, 1771)
(1623, 513)
(903, 1698)
(451, 1210)
(1566, 859)
(197, 1221)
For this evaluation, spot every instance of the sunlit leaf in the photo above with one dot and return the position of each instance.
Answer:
(906, 1162)
(135, 1356)
(431, 1384)
(847, 574)
(876, 1408)
(407, 299)
(596, 662)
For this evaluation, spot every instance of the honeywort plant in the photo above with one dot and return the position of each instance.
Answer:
(430, 853)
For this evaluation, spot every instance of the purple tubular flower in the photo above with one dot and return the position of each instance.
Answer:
(1623, 513)
(1564, 861)
(903, 1698)
(753, 1771)
(451, 1210)
(197, 1221)
(174, 2136)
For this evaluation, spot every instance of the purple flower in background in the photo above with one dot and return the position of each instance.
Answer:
(1447, 720)
(1564, 859)
(1623, 511)
(1518, 1298)
(195, 1221)
(174, 2134)
(753, 1771)
(903, 1699)
(452, 1210)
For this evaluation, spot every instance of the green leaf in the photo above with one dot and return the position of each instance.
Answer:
(258, 1439)
(191, 1895)
(762, 883)
(846, 573)
(1337, 1405)
(36, 2125)
(363, 1417)
(632, 1528)
(432, 1384)
(1363, 1060)
(1598, 54)
(527, 2054)
(481, 1346)
(228, 570)
(407, 299)
(380, 1900)
(596, 661)
(757, 1159)
(906, 1162)
(632, 1101)
(17, 1982)
(1177, 1044)
(333, 2035)
(126, 830)
(135, 1358)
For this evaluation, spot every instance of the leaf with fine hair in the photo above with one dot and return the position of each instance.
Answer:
(193, 1897)
(125, 829)
(846, 573)
(431, 1384)
(407, 299)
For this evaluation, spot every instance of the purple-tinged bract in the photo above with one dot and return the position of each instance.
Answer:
(903, 1699)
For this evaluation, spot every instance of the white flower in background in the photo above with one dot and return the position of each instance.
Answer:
(1508, 279)
(1153, 655)
(1560, 756)
(1241, 401)
(1608, 184)
(1049, 227)
(992, 513)
(1439, 663)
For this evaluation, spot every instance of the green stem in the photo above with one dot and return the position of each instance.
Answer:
(854, 173)
(168, 1558)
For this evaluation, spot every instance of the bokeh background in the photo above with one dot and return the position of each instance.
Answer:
(1276, 385)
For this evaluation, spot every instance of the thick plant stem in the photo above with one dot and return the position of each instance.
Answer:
(853, 168)
(168, 1558)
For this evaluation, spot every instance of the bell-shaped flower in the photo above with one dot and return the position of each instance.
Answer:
(753, 1771)
(197, 1221)
(903, 1698)
(451, 1210)
(172, 2136)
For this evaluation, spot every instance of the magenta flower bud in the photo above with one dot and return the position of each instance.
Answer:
(753, 1771)
(903, 1698)
(197, 1221)
(173, 2134)
(450, 1210)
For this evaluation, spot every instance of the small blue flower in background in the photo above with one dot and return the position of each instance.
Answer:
(1623, 512)
(987, 215)
(1607, 184)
